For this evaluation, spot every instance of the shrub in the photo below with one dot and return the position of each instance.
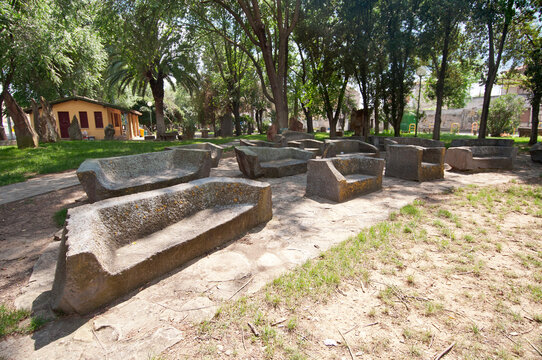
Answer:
(504, 114)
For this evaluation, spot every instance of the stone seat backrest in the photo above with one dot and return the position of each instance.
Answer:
(336, 147)
(118, 169)
(265, 154)
(492, 151)
(289, 135)
(351, 165)
(482, 142)
(414, 141)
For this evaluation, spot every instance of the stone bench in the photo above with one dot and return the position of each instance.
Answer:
(341, 179)
(311, 145)
(334, 148)
(290, 135)
(417, 163)
(122, 175)
(117, 245)
(216, 150)
(536, 152)
(482, 142)
(426, 143)
(269, 162)
(258, 143)
(467, 158)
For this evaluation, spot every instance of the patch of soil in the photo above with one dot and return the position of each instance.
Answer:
(26, 228)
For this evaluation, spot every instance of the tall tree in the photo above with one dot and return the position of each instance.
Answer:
(268, 25)
(401, 21)
(442, 20)
(496, 18)
(149, 47)
(321, 39)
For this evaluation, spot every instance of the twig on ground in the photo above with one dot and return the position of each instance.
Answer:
(243, 338)
(372, 324)
(348, 346)
(242, 287)
(436, 327)
(254, 331)
(279, 322)
(362, 286)
(431, 343)
(99, 342)
(446, 351)
(534, 347)
(509, 338)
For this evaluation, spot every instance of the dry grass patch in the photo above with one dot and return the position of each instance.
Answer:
(462, 268)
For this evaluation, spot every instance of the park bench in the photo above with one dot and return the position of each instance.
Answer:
(270, 162)
(114, 246)
(122, 175)
(341, 179)
(216, 150)
(417, 163)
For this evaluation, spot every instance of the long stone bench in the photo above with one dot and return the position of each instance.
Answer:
(290, 135)
(258, 143)
(466, 158)
(114, 246)
(482, 142)
(341, 179)
(269, 162)
(417, 163)
(216, 150)
(311, 145)
(122, 175)
(416, 141)
(334, 148)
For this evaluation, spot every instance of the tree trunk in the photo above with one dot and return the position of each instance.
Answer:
(237, 117)
(26, 136)
(440, 85)
(3, 135)
(535, 104)
(157, 89)
(482, 129)
(308, 117)
(377, 120)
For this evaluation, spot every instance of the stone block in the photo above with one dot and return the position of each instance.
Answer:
(417, 163)
(288, 135)
(216, 150)
(311, 145)
(341, 179)
(74, 130)
(468, 158)
(270, 162)
(115, 246)
(122, 175)
(334, 148)
(109, 132)
(536, 152)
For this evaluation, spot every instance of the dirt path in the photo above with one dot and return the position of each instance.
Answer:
(150, 321)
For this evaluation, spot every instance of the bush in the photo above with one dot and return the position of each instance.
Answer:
(504, 114)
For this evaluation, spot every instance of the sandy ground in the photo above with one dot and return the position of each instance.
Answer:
(152, 320)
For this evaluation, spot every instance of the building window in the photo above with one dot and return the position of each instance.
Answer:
(98, 119)
(83, 119)
(117, 120)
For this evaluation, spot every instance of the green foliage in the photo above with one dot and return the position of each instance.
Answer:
(10, 319)
(60, 217)
(504, 114)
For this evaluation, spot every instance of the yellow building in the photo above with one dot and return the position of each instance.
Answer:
(93, 117)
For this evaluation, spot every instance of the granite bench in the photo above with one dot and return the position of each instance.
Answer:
(216, 150)
(258, 143)
(417, 163)
(312, 145)
(269, 162)
(334, 148)
(341, 179)
(122, 175)
(114, 246)
(466, 158)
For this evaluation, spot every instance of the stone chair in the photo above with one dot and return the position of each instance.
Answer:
(468, 158)
(216, 150)
(269, 162)
(122, 175)
(341, 179)
(417, 163)
(311, 145)
(334, 148)
(258, 143)
(289, 135)
(536, 152)
(115, 246)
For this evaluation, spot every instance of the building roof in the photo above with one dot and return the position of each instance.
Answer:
(92, 101)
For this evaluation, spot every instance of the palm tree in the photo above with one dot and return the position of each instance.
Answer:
(150, 49)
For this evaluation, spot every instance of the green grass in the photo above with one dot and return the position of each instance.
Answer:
(18, 165)
(60, 217)
(11, 322)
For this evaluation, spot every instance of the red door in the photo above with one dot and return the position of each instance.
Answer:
(64, 122)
